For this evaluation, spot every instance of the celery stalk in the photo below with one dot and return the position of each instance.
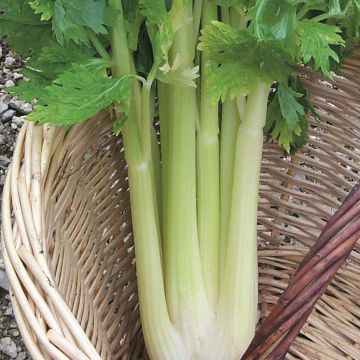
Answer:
(229, 127)
(162, 340)
(185, 291)
(237, 307)
(208, 187)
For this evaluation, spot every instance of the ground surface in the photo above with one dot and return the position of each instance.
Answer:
(11, 119)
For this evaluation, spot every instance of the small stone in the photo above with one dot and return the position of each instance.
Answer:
(5, 98)
(17, 76)
(16, 334)
(8, 75)
(2, 139)
(14, 126)
(3, 107)
(4, 160)
(2, 182)
(7, 115)
(8, 347)
(13, 324)
(9, 83)
(1, 51)
(18, 121)
(21, 356)
(4, 281)
(8, 312)
(20, 106)
(9, 62)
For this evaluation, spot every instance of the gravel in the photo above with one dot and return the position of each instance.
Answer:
(20, 106)
(12, 113)
(8, 347)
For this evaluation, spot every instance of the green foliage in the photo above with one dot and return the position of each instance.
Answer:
(286, 120)
(50, 62)
(316, 41)
(133, 20)
(25, 31)
(284, 117)
(238, 60)
(71, 20)
(275, 19)
(279, 36)
(43, 7)
(80, 93)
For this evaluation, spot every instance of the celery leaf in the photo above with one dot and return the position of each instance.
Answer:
(316, 41)
(25, 31)
(286, 118)
(79, 93)
(71, 20)
(43, 7)
(238, 60)
(133, 20)
(50, 62)
(275, 19)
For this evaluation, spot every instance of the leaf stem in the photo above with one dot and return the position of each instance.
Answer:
(321, 17)
(303, 11)
(99, 47)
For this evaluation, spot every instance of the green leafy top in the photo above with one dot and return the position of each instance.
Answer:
(276, 38)
(64, 72)
(71, 20)
(25, 31)
(85, 90)
(262, 41)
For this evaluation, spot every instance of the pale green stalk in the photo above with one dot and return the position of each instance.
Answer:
(162, 340)
(233, 112)
(155, 152)
(185, 291)
(229, 126)
(164, 98)
(150, 152)
(238, 294)
(208, 187)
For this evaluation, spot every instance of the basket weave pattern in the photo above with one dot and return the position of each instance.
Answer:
(68, 246)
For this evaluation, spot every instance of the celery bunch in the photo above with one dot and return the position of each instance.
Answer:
(219, 75)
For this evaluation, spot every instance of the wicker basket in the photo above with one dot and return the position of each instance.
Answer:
(68, 246)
